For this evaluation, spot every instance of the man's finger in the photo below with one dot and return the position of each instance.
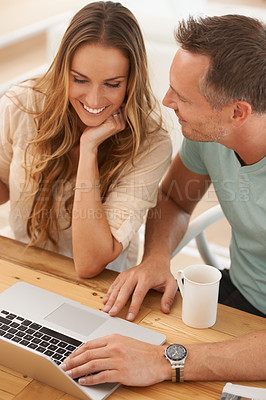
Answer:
(168, 296)
(122, 298)
(102, 377)
(120, 294)
(111, 300)
(114, 288)
(137, 299)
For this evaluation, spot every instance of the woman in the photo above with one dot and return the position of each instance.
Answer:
(82, 147)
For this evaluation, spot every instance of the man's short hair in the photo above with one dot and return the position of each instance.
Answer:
(236, 45)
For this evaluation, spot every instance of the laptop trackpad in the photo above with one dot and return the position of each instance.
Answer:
(77, 320)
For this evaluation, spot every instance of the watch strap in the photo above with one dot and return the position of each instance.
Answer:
(177, 373)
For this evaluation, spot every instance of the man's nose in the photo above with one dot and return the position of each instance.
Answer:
(169, 99)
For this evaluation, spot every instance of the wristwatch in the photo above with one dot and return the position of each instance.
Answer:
(176, 354)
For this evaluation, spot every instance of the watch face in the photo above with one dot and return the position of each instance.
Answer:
(176, 352)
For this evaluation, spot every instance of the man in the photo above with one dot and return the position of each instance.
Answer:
(217, 90)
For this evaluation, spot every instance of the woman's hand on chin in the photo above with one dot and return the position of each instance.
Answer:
(92, 137)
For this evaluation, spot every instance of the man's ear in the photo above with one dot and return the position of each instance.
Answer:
(241, 111)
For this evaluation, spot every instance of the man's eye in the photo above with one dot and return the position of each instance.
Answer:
(181, 99)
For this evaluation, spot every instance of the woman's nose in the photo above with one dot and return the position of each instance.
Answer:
(93, 96)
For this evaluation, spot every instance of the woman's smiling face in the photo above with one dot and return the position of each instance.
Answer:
(97, 82)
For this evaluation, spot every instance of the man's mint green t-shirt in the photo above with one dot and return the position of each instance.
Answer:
(241, 191)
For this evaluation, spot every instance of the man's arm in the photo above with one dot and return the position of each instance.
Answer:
(166, 225)
(117, 358)
(242, 358)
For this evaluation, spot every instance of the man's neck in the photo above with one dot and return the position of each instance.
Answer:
(242, 162)
(249, 143)
(250, 156)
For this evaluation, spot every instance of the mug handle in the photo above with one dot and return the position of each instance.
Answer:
(179, 278)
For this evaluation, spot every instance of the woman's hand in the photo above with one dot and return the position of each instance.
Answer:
(92, 137)
(117, 358)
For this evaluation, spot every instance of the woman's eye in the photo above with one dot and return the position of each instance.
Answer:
(79, 80)
(113, 85)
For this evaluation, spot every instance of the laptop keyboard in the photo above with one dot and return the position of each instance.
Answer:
(53, 344)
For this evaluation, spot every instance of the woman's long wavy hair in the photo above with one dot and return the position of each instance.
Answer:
(49, 167)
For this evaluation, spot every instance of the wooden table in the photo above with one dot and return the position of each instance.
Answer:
(56, 273)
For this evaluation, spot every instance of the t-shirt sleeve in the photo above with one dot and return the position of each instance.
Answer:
(136, 191)
(190, 154)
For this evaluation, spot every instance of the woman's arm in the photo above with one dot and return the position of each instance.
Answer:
(126, 205)
(4, 193)
(93, 243)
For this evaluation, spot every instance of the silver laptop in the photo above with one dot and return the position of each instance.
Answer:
(38, 329)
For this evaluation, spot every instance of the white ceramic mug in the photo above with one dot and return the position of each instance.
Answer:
(199, 287)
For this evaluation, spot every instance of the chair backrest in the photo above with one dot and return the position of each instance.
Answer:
(196, 230)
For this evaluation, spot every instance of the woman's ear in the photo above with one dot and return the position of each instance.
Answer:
(241, 111)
